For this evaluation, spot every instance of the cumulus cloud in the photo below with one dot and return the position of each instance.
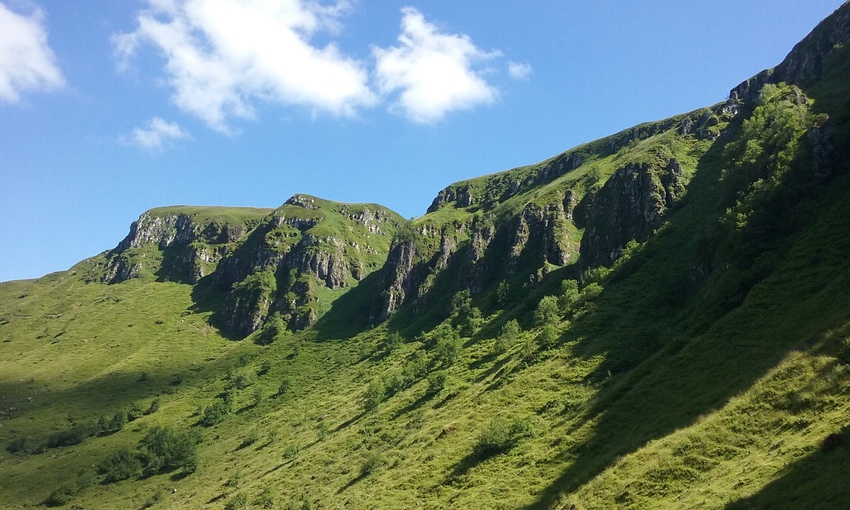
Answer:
(26, 61)
(156, 135)
(224, 55)
(519, 71)
(431, 73)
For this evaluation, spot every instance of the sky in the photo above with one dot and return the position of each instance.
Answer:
(110, 108)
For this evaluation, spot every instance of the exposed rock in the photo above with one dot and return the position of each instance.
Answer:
(806, 61)
(397, 279)
(287, 247)
(630, 206)
(189, 248)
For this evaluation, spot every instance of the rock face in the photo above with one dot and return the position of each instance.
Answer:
(267, 261)
(305, 245)
(179, 243)
(805, 64)
(630, 206)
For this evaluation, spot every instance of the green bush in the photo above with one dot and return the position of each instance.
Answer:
(548, 337)
(240, 500)
(265, 499)
(568, 296)
(154, 407)
(375, 394)
(74, 435)
(372, 463)
(291, 451)
(135, 412)
(548, 311)
(121, 464)
(119, 419)
(507, 336)
(500, 436)
(448, 348)
(25, 445)
(415, 368)
(215, 413)
(285, 385)
(164, 449)
(393, 342)
(436, 382)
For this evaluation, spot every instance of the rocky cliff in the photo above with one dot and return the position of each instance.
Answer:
(805, 64)
(306, 245)
(179, 243)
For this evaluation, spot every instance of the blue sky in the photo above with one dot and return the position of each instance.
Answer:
(109, 108)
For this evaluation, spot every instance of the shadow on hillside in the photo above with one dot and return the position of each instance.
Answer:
(207, 298)
(349, 314)
(663, 368)
(820, 477)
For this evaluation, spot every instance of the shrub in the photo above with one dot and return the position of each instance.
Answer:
(265, 499)
(448, 348)
(240, 500)
(135, 412)
(163, 449)
(119, 419)
(24, 445)
(214, 414)
(74, 435)
(436, 382)
(507, 336)
(500, 436)
(250, 439)
(257, 397)
(503, 293)
(241, 381)
(120, 465)
(569, 294)
(495, 439)
(375, 394)
(372, 463)
(285, 385)
(291, 451)
(548, 311)
(154, 407)
(393, 342)
(415, 368)
(548, 337)
(393, 382)
(264, 368)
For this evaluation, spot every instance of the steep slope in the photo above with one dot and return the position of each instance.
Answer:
(281, 261)
(179, 243)
(658, 319)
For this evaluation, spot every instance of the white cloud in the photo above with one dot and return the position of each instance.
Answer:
(223, 55)
(26, 61)
(156, 135)
(432, 71)
(519, 71)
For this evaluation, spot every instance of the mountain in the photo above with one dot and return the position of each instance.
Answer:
(656, 319)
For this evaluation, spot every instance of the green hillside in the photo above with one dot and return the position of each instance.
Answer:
(657, 319)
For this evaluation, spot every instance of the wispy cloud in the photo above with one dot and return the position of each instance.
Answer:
(156, 135)
(223, 55)
(519, 71)
(26, 61)
(432, 72)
